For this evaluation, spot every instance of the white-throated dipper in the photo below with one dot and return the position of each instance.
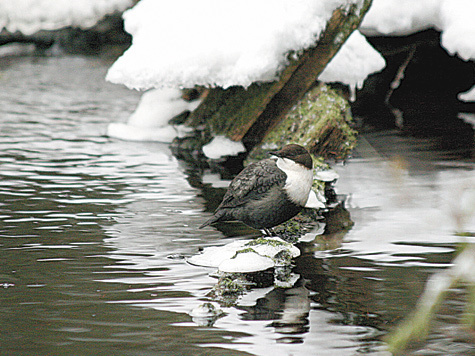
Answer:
(269, 192)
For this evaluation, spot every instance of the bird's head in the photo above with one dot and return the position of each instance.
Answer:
(296, 154)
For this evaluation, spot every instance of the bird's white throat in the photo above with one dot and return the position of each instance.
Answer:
(299, 180)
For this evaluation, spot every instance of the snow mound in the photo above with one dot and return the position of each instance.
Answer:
(247, 256)
(216, 43)
(353, 63)
(454, 18)
(246, 262)
(31, 16)
(315, 200)
(400, 17)
(150, 120)
(458, 36)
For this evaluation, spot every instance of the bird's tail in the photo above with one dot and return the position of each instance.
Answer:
(215, 218)
(208, 222)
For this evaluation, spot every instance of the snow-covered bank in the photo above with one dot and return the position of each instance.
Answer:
(231, 45)
(31, 16)
(223, 43)
(453, 18)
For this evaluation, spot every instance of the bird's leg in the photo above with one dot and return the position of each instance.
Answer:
(268, 232)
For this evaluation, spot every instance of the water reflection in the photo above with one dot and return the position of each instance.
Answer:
(93, 231)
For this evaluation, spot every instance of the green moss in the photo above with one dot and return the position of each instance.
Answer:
(283, 258)
(231, 285)
(320, 121)
(227, 111)
(228, 289)
(291, 230)
(239, 108)
(264, 241)
(244, 250)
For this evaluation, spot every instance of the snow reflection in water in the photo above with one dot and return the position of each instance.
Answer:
(401, 213)
(88, 226)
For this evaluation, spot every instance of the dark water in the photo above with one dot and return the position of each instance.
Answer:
(88, 225)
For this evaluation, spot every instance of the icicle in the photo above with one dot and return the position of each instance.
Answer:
(352, 92)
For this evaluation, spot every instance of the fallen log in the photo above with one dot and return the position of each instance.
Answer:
(248, 115)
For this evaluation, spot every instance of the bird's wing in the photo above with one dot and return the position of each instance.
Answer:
(255, 179)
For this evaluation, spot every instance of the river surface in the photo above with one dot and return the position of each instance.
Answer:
(92, 231)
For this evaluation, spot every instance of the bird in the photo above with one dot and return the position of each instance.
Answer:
(268, 192)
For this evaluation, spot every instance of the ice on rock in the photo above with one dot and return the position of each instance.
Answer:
(206, 314)
(468, 95)
(315, 200)
(327, 175)
(246, 262)
(31, 16)
(156, 107)
(221, 146)
(247, 256)
(213, 256)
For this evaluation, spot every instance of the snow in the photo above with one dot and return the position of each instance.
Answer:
(315, 200)
(150, 120)
(31, 16)
(454, 18)
(224, 43)
(458, 35)
(246, 256)
(221, 146)
(327, 175)
(271, 249)
(353, 63)
(400, 17)
(213, 256)
(216, 43)
(246, 262)
(214, 179)
(184, 43)
(468, 95)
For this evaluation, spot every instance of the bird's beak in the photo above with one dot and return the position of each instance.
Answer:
(274, 154)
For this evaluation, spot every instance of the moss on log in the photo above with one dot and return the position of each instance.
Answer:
(321, 121)
(251, 114)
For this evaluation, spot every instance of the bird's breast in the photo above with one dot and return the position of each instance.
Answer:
(298, 185)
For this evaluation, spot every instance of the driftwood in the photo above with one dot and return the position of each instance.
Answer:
(250, 114)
